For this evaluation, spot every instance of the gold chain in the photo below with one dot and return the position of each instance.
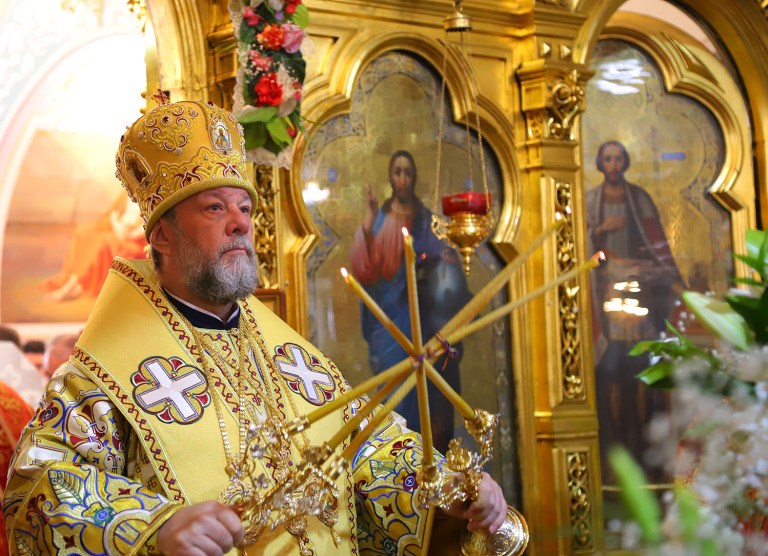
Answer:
(234, 462)
(236, 465)
(474, 107)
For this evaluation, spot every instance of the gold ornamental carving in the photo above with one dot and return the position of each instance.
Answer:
(552, 99)
(555, 3)
(580, 506)
(570, 339)
(568, 101)
(265, 227)
(535, 125)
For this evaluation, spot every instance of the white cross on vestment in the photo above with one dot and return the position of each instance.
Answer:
(170, 388)
(305, 374)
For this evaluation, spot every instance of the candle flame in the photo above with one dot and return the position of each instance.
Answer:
(599, 257)
(344, 272)
(405, 231)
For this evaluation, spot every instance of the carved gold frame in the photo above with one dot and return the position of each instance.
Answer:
(323, 102)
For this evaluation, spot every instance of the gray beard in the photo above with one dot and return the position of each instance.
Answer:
(215, 280)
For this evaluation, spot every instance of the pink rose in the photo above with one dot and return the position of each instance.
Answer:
(293, 37)
(251, 17)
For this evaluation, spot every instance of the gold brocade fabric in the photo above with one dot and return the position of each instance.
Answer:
(127, 434)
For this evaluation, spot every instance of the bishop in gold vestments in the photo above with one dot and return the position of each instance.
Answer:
(141, 432)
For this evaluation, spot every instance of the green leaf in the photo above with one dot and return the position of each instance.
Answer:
(760, 322)
(660, 375)
(296, 120)
(754, 240)
(638, 499)
(301, 16)
(690, 520)
(719, 318)
(641, 347)
(747, 306)
(255, 136)
(757, 252)
(751, 262)
(247, 34)
(260, 114)
(278, 130)
(748, 281)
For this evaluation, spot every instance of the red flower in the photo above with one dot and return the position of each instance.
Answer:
(271, 37)
(251, 17)
(268, 90)
(290, 6)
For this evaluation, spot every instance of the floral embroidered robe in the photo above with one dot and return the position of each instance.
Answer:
(127, 434)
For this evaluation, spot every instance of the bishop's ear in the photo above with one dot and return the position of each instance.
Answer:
(160, 237)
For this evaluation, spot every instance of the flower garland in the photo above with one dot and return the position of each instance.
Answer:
(271, 70)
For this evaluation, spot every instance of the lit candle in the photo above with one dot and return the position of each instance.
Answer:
(485, 320)
(484, 296)
(397, 334)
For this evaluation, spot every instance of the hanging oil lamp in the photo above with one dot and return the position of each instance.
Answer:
(468, 213)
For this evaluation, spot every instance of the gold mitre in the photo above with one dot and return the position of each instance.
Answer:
(179, 149)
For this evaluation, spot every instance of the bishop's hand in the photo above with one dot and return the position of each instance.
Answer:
(204, 529)
(487, 512)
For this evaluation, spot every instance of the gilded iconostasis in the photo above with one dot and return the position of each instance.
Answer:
(573, 95)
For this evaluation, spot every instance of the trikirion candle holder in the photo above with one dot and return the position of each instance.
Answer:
(309, 489)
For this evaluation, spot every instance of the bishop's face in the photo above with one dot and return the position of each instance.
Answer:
(213, 248)
(401, 177)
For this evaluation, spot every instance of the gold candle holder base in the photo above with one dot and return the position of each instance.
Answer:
(510, 540)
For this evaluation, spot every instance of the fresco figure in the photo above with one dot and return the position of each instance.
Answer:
(633, 294)
(376, 261)
(89, 256)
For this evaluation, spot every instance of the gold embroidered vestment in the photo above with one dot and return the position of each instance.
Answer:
(127, 433)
